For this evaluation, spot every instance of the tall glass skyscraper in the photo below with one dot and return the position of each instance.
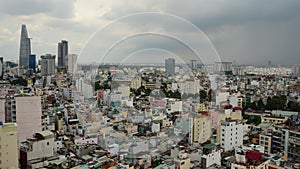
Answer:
(25, 49)
(62, 53)
(32, 64)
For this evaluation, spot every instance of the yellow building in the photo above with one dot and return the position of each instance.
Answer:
(265, 140)
(136, 83)
(8, 146)
(182, 161)
(201, 129)
(273, 119)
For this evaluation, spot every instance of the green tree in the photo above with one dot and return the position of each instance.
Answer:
(293, 106)
(19, 81)
(260, 105)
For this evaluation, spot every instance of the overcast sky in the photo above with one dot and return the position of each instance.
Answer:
(247, 32)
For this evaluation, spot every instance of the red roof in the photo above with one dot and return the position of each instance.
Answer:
(254, 155)
(270, 167)
(237, 108)
(228, 106)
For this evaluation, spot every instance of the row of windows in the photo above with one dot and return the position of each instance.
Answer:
(230, 143)
(230, 134)
(230, 129)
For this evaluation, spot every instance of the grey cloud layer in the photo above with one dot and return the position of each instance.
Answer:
(246, 31)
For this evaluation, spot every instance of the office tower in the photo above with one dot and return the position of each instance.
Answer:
(193, 64)
(72, 64)
(32, 64)
(62, 52)
(47, 64)
(1, 68)
(25, 50)
(8, 145)
(170, 66)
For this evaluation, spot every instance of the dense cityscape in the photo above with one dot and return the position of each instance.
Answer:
(57, 113)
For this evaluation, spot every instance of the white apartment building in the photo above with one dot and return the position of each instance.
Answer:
(72, 63)
(211, 155)
(231, 134)
(88, 91)
(125, 90)
(85, 88)
(191, 87)
(221, 97)
(41, 145)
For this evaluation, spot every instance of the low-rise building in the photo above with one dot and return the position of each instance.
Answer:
(182, 161)
(273, 119)
(250, 159)
(265, 140)
(211, 155)
(41, 145)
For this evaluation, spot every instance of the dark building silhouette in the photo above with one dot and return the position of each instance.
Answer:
(62, 52)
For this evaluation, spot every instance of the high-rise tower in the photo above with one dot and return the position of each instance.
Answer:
(72, 64)
(25, 49)
(62, 52)
(47, 64)
(170, 66)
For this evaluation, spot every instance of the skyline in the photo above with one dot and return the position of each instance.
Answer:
(245, 32)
